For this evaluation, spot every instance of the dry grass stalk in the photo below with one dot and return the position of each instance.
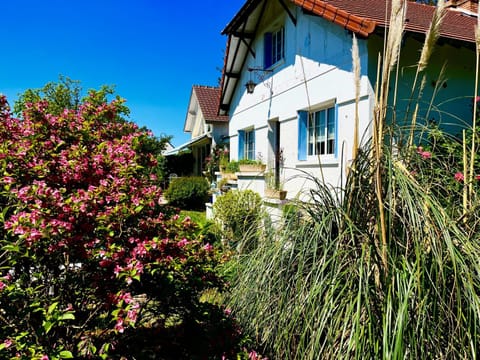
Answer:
(392, 53)
(356, 80)
(432, 35)
(470, 175)
(465, 167)
(430, 39)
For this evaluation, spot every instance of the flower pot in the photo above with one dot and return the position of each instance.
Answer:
(276, 194)
(257, 168)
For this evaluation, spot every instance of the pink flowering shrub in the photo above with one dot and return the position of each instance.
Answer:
(438, 166)
(89, 256)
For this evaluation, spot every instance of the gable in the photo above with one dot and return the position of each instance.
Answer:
(360, 17)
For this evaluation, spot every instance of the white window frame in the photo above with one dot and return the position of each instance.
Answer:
(278, 45)
(249, 144)
(274, 51)
(321, 130)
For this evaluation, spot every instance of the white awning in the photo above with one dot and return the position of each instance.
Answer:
(192, 142)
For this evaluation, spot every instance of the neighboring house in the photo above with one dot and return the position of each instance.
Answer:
(298, 53)
(168, 147)
(206, 127)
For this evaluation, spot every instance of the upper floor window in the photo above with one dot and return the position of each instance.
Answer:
(274, 47)
(317, 132)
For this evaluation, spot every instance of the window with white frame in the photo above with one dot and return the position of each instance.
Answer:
(246, 144)
(317, 132)
(321, 132)
(274, 47)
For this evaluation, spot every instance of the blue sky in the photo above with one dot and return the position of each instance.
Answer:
(153, 51)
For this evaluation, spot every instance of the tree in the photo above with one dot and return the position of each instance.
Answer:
(88, 254)
(64, 94)
(68, 94)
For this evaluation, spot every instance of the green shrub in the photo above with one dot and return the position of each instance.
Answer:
(240, 214)
(188, 192)
(249, 162)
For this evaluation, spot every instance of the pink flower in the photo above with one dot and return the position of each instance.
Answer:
(424, 154)
(119, 326)
(7, 343)
(44, 357)
(132, 315)
(8, 180)
(207, 247)
(2, 285)
(182, 243)
(459, 177)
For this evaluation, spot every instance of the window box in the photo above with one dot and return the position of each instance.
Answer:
(275, 194)
(252, 167)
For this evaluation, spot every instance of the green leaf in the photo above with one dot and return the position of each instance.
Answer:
(65, 354)
(47, 325)
(52, 307)
(67, 316)
(11, 247)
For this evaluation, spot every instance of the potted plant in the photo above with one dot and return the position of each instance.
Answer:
(273, 186)
(249, 165)
(229, 170)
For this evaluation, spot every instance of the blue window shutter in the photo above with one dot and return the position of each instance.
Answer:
(267, 50)
(336, 145)
(241, 144)
(302, 134)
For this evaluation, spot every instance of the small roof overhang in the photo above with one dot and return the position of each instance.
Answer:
(241, 32)
(199, 140)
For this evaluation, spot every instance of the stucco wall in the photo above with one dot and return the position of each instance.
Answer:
(447, 96)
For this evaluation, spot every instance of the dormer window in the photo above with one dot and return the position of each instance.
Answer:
(274, 47)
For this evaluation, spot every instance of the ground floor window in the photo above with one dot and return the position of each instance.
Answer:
(246, 144)
(317, 132)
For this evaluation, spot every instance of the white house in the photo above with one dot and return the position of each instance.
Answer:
(206, 127)
(298, 53)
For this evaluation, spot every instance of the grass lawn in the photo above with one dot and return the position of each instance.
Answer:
(198, 217)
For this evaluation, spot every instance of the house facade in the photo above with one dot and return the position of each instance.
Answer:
(207, 129)
(298, 113)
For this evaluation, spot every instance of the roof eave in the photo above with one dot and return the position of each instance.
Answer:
(359, 25)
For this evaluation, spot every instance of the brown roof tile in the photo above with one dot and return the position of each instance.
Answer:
(359, 15)
(208, 99)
